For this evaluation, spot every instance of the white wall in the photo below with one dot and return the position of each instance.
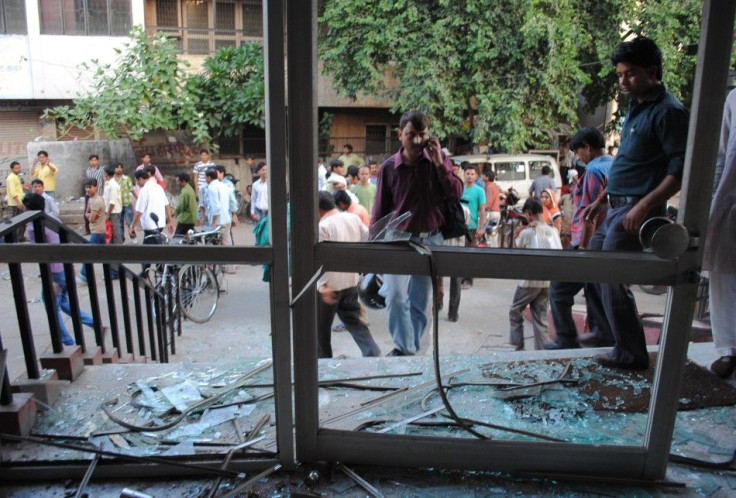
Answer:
(47, 66)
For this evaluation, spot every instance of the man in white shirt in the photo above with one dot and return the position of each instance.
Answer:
(259, 197)
(151, 199)
(219, 200)
(339, 291)
(51, 208)
(232, 203)
(113, 204)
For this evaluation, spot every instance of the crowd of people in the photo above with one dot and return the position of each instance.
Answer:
(601, 206)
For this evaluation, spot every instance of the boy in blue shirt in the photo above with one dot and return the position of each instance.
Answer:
(475, 198)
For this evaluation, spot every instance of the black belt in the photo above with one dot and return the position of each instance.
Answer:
(424, 235)
(620, 200)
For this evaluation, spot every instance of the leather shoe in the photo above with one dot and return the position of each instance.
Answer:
(395, 352)
(557, 345)
(588, 340)
(452, 318)
(724, 366)
(606, 360)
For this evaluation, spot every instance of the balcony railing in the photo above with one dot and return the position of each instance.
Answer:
(198, 41)
(148, 333)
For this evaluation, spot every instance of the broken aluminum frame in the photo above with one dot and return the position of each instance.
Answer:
(647, 461)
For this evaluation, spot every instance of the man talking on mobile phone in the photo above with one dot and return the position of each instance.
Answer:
(417, 179)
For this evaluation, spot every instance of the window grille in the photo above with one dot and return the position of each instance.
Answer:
(13, 17)
(253, 18)
(85, 17)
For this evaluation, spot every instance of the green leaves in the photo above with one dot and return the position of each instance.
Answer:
(149, 87)
(527, 62)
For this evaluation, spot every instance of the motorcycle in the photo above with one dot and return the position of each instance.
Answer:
(503, 229)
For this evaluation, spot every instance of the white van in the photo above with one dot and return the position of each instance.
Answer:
(514, 170)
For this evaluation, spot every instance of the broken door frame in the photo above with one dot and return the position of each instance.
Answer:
(647, 461)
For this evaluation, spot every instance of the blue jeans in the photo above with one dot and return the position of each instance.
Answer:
(95, 238)
(407, 299)
(126, 217)
(62, 304)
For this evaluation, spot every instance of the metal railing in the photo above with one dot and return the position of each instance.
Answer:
(154, 314)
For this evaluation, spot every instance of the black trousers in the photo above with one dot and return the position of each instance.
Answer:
(183, 228)
(347, 308)
(617, 299)
(562, 297)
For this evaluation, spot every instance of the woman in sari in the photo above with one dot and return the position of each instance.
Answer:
(552, 215)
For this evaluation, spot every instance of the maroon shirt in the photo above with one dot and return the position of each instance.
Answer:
(421, 189)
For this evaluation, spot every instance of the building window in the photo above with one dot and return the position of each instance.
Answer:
(85, 17)
(224, 25)
(253, 17)
(13, 17)
(375, 139)
(205, 27)
(254, 140)
(167, 13)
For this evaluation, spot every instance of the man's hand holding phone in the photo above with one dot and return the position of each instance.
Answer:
(434, 150)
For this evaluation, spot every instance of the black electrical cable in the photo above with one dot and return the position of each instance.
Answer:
(694, 462)
(462, 423)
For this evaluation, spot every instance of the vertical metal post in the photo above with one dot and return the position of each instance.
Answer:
(160, 330)
(273, 47)
(47, 290)
(710, 83)
(111, 307)
(126, 311)
(73, 296)
(21, 311)
(302, 120)
(149, 320)
(6, 393)
(139, 317)
(94, 302)
(169, 313)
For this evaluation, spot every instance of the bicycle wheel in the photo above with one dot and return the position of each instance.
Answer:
(198, 292)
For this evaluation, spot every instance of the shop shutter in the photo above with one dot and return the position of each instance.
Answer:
(17, 128)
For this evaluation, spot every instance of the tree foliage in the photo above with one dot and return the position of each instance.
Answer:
(525, 62)
(229, 92)
(140, 91)
(149, 87)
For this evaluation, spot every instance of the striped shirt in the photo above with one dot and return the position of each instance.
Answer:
(200, 169)
(97, 175)
(588, 189)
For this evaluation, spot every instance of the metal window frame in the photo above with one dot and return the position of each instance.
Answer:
(63, 13)
(646, 461)
(276, 256)
(4, 19)
(309, 443)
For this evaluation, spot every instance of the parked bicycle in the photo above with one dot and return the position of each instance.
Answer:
(193, 288)
(163, 279)
(199, 285)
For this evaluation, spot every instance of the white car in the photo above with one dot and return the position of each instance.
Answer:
(514, 170)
